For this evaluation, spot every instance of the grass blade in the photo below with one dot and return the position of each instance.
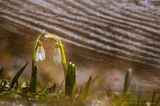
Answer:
(18, 74)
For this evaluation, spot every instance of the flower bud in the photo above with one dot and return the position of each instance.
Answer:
(57, 54)
(40, 53)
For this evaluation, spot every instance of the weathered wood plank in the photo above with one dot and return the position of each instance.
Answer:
(112, 28)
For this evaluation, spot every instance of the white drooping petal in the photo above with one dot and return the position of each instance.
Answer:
(57, 55)
(40, 53)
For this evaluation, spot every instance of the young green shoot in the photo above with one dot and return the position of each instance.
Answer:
(36, 55)
(17, 75)
(127, 81)
(70, 80)
(86, 88)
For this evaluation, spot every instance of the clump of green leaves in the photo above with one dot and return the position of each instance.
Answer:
(59, 57)
(70, 79)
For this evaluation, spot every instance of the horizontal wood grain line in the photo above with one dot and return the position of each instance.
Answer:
(111, 29)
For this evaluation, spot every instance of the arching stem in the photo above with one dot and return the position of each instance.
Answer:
(59, 42)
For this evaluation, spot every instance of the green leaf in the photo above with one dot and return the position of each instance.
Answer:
(73, 75)
(70, 79)
(33, 82)
(68, 89)
(127, 81)
(87, 87)
(18, 74)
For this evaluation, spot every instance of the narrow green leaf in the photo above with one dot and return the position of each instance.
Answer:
(33, 82)
(68, 82)
(127, 81)
(73, 79)
(87, 87)
(73, 75)
(18, 74)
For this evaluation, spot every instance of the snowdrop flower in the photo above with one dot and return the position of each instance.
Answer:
(57, 54)
(40, 53)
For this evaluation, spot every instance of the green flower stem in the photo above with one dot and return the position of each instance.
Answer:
(33, 81)
(50, 36)
(35, 47)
